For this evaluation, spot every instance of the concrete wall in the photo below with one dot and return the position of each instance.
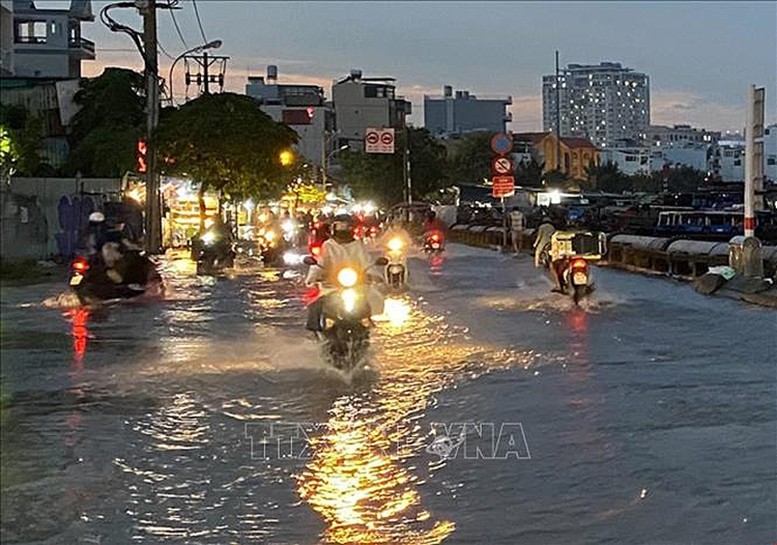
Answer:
(64, 205)
(6, 38)
(23, 227)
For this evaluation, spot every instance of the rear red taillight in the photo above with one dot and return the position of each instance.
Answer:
(80, 265)
(436, 237)
(315, 250)
(579, 263)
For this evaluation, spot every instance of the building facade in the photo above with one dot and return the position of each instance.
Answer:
(463, 113)
(679, 136)
(302, 107)
(604, 103)
(361, 103)
(47, 43)
(571, 155)
(6, 38)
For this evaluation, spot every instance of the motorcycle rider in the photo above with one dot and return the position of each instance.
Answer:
(95, 235)
(542, 243)
(341, 250)
(433, 223)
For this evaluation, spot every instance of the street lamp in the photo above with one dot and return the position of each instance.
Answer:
(286, 157)
(215, 44)
(326, 163)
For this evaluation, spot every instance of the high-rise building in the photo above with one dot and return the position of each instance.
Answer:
(605, 103)
(362, 103)
(463, 113)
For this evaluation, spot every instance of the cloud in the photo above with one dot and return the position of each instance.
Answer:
(668, 107)
(685, 107)
(527, 113)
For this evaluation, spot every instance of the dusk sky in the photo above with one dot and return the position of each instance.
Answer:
(700, 56)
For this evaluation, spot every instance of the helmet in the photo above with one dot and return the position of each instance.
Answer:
(342, 228)
(96, 217)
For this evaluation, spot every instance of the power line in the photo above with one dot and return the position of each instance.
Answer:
(164, 51)
(178, 29)
(199, 22)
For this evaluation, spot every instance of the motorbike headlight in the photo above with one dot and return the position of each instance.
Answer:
(349, 300)
(347, 277)
(209, 237)
(395, 244)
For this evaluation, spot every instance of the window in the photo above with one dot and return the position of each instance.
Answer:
(31, 32)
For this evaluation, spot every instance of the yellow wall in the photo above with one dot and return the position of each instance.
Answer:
(573, 161)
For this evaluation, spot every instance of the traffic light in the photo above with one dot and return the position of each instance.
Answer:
(142, 160)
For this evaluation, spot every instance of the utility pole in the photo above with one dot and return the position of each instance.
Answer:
(153, 219)
(558, 118)
(205, 78)
(406, 162)
(752, 254)
(206, 90)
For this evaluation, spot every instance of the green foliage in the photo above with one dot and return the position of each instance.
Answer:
(380, 177)
(22, 140)
(610, 179)
(105, 131)
(529, 173)
(225, 142)
(470, 159)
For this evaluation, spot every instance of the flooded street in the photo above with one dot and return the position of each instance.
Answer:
(491, 411)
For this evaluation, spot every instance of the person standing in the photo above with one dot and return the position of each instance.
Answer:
(517, 225)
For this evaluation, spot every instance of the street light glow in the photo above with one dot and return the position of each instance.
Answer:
(286, 157)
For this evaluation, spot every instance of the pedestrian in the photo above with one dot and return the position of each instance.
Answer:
(517, 225)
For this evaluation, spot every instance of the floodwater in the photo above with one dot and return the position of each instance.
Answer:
(490, 411)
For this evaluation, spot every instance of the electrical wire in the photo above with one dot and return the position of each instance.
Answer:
(199, 22)
(177, 28)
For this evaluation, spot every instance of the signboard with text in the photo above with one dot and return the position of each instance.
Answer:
(502, 186)
(379, 141)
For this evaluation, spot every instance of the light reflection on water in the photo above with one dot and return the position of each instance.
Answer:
(359, 478)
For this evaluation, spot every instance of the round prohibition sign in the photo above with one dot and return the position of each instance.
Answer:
(387, 138)
(372, 137)
(502, 165)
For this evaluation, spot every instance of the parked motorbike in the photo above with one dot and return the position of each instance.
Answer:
(345, 319)
(94, 282)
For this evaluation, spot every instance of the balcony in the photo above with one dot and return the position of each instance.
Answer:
(81, 48)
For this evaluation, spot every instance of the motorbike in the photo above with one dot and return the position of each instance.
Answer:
(345, 320)
(93, 281)
(570, 253)
(214, 254)
(434, 242)
(396, 266)
(575, 278)
(271, 246)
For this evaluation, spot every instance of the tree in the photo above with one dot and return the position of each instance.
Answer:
(227, 143)
(380, 177)
(607, 177)
(105, 131)
(470, 158)
(22, 135)
(529, 173)
(685, 179)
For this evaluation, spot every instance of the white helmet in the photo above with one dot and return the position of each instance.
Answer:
(96, 217)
